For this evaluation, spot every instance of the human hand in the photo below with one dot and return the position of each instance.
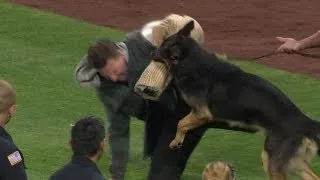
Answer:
(289, 45)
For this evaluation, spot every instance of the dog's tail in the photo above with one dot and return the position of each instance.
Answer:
(312, 130)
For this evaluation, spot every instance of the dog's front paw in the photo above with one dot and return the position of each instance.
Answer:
(175, 144)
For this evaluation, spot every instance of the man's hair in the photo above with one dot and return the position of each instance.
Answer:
(101, 51)
(86, 136)
(7, 96)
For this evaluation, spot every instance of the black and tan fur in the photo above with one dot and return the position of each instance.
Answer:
(215, 88)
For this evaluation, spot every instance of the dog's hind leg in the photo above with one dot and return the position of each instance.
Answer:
(307, 174)
(277, 176)
(265, 161)
(273, 173)
(195, 118)
(300, 163)
(276, 173)
(272, 168)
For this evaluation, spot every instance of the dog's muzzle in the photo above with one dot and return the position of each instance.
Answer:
(155, 55)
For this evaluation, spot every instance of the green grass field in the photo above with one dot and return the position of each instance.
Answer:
(38, 54)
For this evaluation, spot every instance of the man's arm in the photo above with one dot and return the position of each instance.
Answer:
(85, 75)
(117, 131)
(290, 45)
(119, 142)
(171, 24)
(11, 167)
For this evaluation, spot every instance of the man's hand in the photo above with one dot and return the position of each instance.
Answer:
(289, 45)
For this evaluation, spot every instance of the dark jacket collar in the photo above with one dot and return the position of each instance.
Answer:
(5, 134)
(85, 161)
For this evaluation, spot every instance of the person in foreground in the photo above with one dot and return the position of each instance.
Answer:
(87, 143)
(11, 159)
(291, 45)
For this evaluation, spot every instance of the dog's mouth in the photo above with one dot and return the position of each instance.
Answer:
(156, 55)
(157, 58)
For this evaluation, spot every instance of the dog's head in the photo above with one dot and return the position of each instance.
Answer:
(218, 171)
(174, 48)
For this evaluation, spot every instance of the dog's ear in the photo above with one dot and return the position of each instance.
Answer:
(186, 30)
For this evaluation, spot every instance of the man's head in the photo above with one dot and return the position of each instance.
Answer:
(7, 102)
(87, 137)
(109, 59)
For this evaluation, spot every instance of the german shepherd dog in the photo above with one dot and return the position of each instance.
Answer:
(217, 90)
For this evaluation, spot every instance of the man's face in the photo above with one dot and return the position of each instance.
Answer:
(11, 111)
(115, 69)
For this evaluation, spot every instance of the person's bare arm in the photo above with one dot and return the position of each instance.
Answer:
(291, 45)
(310, 42)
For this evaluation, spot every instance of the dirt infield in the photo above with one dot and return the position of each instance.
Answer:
(239, 28)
